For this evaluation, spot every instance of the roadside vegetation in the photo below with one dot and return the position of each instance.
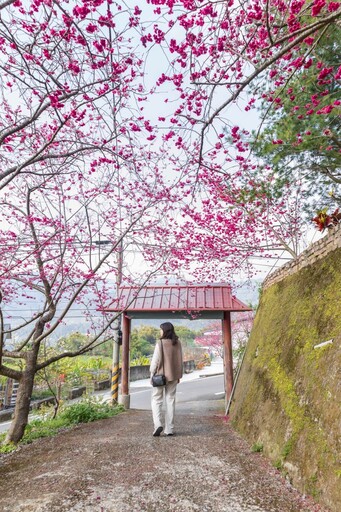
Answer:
(84, 411)
(86, 370)
(54, 384)
(58, 379)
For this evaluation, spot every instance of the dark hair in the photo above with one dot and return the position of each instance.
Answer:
(168, 333)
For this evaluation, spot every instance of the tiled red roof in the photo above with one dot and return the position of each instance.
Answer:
(177, 298)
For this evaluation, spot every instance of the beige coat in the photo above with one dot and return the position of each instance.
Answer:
(173, 362)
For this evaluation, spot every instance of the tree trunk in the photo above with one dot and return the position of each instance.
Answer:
(22, 406)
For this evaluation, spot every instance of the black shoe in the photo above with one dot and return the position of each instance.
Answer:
(169, 434)
(158, 431)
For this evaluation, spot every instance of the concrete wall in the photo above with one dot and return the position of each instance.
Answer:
(139, 373)
(142, 372)
(76, 392)
(6, 415)
(288, 394)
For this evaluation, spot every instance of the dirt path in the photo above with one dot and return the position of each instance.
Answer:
(116, 465)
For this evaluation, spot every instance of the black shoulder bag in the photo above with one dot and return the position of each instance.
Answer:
(160, 379)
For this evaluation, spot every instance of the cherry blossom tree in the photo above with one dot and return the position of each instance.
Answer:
(241, 325)
(211, 338)
(218, 49)
(100, 141)
(51, 257)
(66, 75)
(73, 172)
(224, 55)
(301, 137)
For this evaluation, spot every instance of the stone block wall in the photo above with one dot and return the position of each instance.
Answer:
(313, 253)
(288, 394)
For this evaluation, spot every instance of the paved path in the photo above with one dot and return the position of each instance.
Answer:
(116, 465)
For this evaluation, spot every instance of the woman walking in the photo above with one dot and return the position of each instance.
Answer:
(167, 359)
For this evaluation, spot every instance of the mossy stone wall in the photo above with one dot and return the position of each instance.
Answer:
(288, 395)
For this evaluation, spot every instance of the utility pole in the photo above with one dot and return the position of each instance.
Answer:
(116, 325)
(115, 372)
(117, 329)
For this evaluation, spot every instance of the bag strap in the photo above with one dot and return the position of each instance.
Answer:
(162, 359)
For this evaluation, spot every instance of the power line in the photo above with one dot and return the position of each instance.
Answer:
(25, 310)
(67, 317)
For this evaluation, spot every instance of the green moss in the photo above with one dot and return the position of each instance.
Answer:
(289, 399)
(287, 393)
(291, 325)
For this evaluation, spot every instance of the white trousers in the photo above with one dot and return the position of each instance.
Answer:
(168, 391)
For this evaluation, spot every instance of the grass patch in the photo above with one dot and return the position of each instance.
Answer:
(39, 428)
(84, 411)
(278, 464)
(287, 448)
(257, 448)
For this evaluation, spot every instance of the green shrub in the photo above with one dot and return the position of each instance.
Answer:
(89, 409)
(8, 448)
(84, 411)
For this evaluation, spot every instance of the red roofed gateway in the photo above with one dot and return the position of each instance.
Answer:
(177, 301)
(185, 299)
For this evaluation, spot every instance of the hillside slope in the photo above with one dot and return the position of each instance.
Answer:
(288, 394)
